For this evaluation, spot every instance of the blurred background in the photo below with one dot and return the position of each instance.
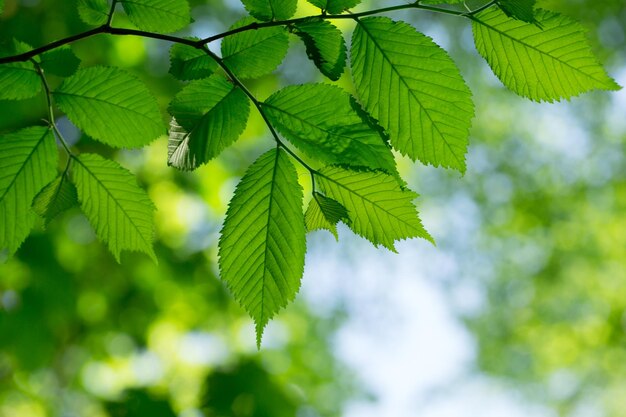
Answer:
(520, 309)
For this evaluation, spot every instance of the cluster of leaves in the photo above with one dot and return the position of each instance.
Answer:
(410, 98)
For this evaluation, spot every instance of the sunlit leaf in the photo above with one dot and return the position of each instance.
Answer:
(161, 16)
(413, 88)
(119, 211)
(28, 161)
(519, 9)
(111, 106)
(325, 46)
(271, 9)
(334, 6)
(547, 63)
(325, 213)
(56, 197)
(262, 244)
(93, 12)
(379, 209)
(189, 63)
(18, 80)
(212, 113)
(324, 122)
(60, 61)
(254, 53)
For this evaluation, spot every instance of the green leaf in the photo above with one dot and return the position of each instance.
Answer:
(111, 106)
(523, 10)
(325, 213)
(542, 64)
(334, 6)
(254, 53)
(18, 80)
(189, 63)
(60, 61)
(267, 10)
(325, 46)
(94, 12)
(162, 16)
(120, 212)
(28, 161)
(214, 113)
(324, 122)
(56, 197)
(379, 209)
(262, 244)
(1, 6)
(413, 88)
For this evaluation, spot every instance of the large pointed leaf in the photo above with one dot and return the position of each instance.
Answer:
(379, 209)
(56, 197)
(325, 213)
(334, 6)
(213, 112)
(324, 122)
(267, 10)
(28, 161)
(189, 63)
(60, 61)
(120, 212)
(112, 106)
(254, 53)
(324, 45)
(160, 16)
(93, 12)
(18, 80)
(547, 63)
(413, 88)
(262, 245)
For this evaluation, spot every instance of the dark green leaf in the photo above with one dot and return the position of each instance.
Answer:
(160, 16)
(18, 80)
(111, 106)
(189, 63)
(120, 212)
(56, 197)
(323, 121)
(93, 12)
(379, 209)
(325, 213)
(254, 53)
(542, 64)
(334, 6)
(415, 91)
(325, 46)
(60, 61)
(28, 161)
(267, 10)
(262, 244)
(519, 9)
(209, 115)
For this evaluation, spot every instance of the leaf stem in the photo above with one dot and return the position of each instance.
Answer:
(51, 122)
(111, 13)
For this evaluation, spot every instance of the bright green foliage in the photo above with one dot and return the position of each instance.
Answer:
(189, 63)
(160, 16)
(262, 245)
(214, 113)
(523, 10)
(60, 61)
(415, 91)
(323, 121)
(325, 46)
(120, 212)
(112, 106)
(56, 197)
(379, 209)
(325, 213)
(254, 53)
(334, 6)
(547, 63)
(93, 12)
(18, 80)
(28, 159)
(267, 10)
